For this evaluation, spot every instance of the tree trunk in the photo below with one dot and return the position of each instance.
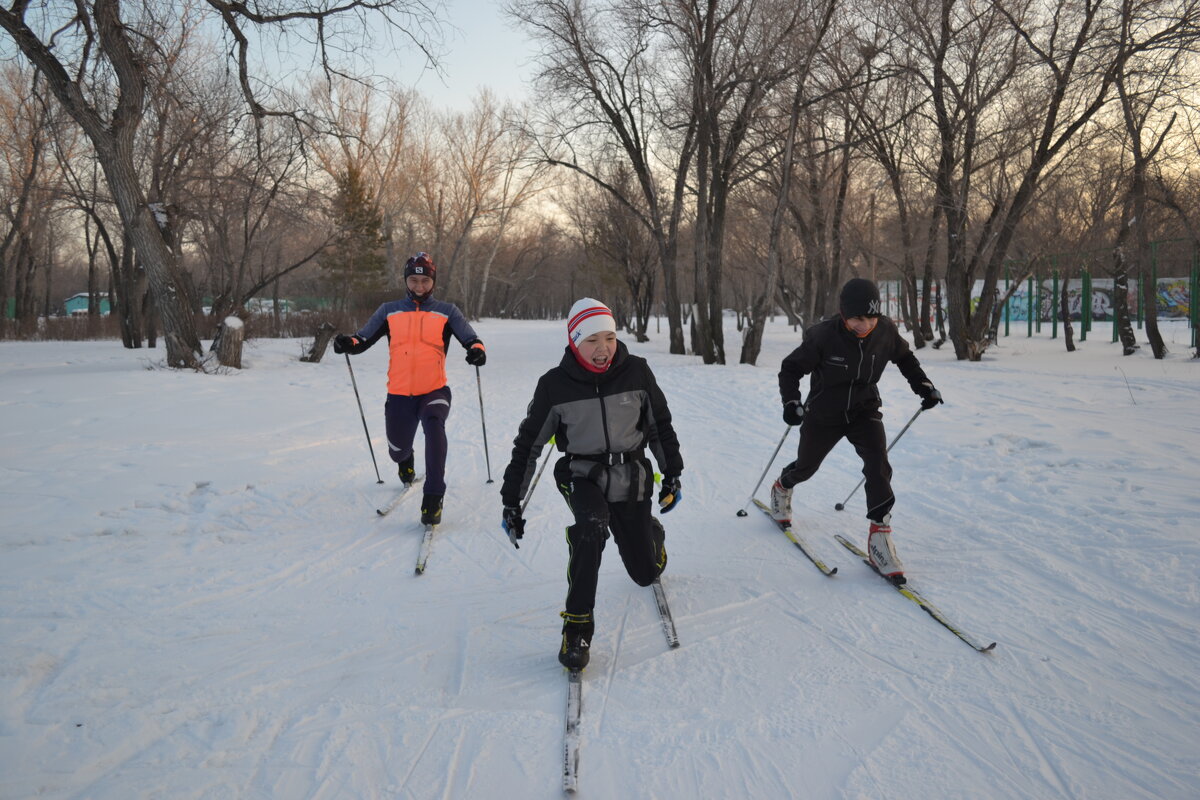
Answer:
(228, 342)
(171, 302)
(1065, 310)
(317, 351)
(1129, 343)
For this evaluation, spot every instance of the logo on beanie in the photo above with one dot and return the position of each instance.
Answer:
(873, 309)
(587, 317)
(420, 264)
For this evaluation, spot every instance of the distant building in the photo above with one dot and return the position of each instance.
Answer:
(77, 304)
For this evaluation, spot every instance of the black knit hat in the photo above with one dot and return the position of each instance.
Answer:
(860, 298)
(420, 264)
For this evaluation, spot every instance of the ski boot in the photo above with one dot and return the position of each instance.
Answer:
(659, 537)
(882, 552)
(576, 640)
(781, 503)
(407, 473)
(431, 509)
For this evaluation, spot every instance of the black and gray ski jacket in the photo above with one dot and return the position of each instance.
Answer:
(846, 370)
(620, 412)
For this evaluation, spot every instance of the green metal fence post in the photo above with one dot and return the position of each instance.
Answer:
(1193, 311)
(1085, 304)
(1153, 279)
(1007, 281)
(1029, 304)
(1054, 302)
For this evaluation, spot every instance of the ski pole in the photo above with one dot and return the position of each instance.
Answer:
(842, 505)
(538, 477)
(742, 511)
(354, 383)
(486, 457)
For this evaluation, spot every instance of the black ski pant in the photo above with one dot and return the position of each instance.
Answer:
(865, 432)
(639, 537)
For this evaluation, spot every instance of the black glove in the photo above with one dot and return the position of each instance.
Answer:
(513, 525)
(670, 494)
(342, 343)
(793, 412)
(930, 396)
(476, 356)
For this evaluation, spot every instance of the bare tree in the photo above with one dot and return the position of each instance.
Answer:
(610, 96)
(489, 173)
(621, 244)
(72, 45)
(810, 40)
(734, 50)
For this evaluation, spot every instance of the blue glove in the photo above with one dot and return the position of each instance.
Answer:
(513, 525)
(670, 494)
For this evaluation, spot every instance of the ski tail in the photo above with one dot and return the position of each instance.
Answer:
(664, 611)
(403, 492)
(426, 548)
(571, 733)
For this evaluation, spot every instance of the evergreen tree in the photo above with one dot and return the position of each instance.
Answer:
(357, 264)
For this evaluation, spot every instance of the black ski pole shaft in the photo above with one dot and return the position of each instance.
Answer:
(538, 477)
(842, 505)
(486, 457)
(742, 511)
(370, 447)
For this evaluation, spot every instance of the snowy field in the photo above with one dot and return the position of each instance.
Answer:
(197, 599)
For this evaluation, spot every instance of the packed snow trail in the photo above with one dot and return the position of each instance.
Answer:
(198, 602)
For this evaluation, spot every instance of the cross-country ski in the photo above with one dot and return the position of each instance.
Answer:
(664, 613)
(908, 590)
(797, 540)
(570, 771)
(401, 493)
(427, 532)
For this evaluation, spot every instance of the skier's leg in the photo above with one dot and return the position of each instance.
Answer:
(585, 546)
(585, 542)
(433, 410)
(815, 443)
(400, 424)
(640, 538)
(867, 435)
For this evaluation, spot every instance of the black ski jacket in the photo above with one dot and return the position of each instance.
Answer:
(845, 369)
(619, 411)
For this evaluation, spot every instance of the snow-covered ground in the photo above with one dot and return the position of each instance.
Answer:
(198, 600)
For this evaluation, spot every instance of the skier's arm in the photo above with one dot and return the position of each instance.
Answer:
(536, 429)
(368, 334)
(796, 365)
(462, 330)
(664, 443)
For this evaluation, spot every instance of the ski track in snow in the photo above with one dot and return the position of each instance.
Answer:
(199, 600)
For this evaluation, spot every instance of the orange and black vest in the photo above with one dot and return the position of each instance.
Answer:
(418, 338)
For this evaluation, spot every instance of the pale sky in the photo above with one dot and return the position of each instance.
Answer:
(482, 50)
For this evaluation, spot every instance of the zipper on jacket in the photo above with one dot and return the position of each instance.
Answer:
(603, 418)
(857, 375)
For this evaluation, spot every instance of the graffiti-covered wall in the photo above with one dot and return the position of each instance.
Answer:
(1173, 299)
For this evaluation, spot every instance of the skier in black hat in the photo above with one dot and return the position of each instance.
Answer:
(846, 355)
